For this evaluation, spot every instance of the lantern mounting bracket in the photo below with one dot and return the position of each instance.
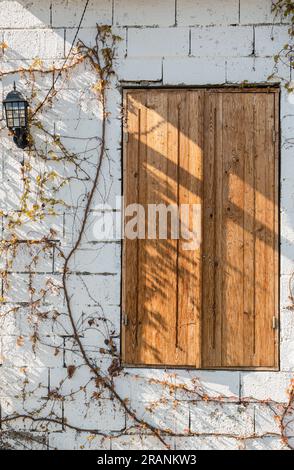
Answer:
(20, 138)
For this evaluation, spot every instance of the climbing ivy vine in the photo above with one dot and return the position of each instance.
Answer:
(284, 9)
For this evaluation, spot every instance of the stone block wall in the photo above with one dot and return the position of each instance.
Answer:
(164, 42)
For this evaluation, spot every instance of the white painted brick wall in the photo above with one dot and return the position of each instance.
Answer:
(67, 440)
(95, 289)
(100, 258)
(265, 420)
(266, 443)
(24, 14)
(222, 41)
(67, 13)
(254, 70)
(42, 409)
(252, 12)
(102, 415)
(213, 418)
(138, 443)
(141, 13)
(194, 70)
(265, 385)
(88, 35)
(164, 42)
(13, 380)
(166, 415)
(269, 40)
(26, 44)
(212, 383)
(136, 70)
(210, 12)
(206, 443)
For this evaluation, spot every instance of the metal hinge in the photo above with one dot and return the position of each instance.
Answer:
(275, 323)
(274, 136)
(126, 136)
(125, 319)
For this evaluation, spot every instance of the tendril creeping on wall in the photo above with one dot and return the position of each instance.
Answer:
(284, 11)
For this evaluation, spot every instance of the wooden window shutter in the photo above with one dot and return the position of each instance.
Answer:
(215, 306)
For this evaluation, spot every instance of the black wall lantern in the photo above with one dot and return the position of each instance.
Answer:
(16, 112)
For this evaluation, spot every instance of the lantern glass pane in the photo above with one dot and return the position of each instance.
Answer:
(16, 115)
(16, 121)
(9, 114)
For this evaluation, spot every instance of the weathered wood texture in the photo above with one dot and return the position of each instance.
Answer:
(213, 306)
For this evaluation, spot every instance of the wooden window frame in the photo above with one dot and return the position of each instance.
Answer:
(249, 88)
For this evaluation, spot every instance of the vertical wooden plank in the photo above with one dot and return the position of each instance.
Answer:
(268, 345)
(265, 232)
(130, 247)
(249, 231)
(277, 224)
(158, 322)
(172, 198)
(142, 285)
(218, 225)
(212, 239)
(260, 224)
(188, 341)
(233, 213)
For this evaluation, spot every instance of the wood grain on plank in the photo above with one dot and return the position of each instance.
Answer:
(188, 346)
(169, 169)
(211, 265)
(132, 148)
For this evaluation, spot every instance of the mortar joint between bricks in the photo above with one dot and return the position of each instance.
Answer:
(190, 43)
(253, 42)
(50, 13)
(112, 13)
(127, 41)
